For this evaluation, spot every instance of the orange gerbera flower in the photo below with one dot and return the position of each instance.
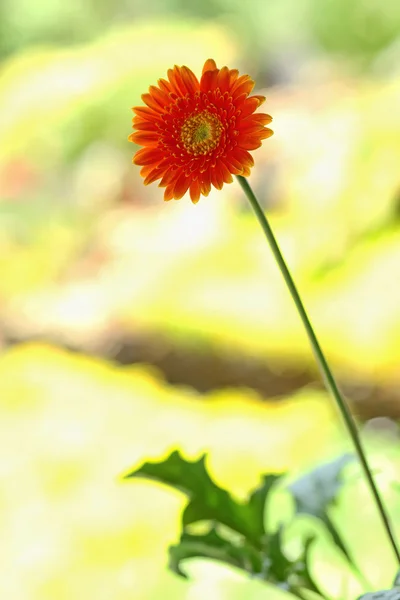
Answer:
(197, 134)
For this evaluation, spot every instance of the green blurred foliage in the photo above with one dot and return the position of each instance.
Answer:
(88, 255)
(360, 29)
(357, 30)
(333, 555)
(336, 204)
(71, 424)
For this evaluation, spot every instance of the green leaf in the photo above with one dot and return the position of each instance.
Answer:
(393, 594)
(209, 502)
(236, 533)
(317, 491)
(295, 573)
(271, 565)
(280, 565)
(302, 569)
(214, 546)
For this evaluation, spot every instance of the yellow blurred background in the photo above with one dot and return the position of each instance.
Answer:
(130, 326)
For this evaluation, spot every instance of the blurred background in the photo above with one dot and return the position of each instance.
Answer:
(130, 326)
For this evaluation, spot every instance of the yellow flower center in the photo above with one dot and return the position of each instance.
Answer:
(201, 133)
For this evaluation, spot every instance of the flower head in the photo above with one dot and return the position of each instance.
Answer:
(198, 133)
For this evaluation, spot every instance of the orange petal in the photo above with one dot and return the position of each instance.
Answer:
(233, 166)
(223, 80)
(164, 86)
(250, 126)
(145, 138)
(209, 65)
(190, 80)
(239, 81)
(181, 186)
(261, 99)
(205, 182)
(168, 177)
(260, 133)
(177, 83)
(226, 175)
(243, 157)
(144, 171)
(153, 176)
(250, 142)
(217, 179)
(145, 113)
(266, 133)
(195, 190)
(180, 80)
(159, 96)
(205, 188)
(151, 102)
(249, 106)
(169, 192)
(209, 80)
(262, 118)
(240, 100)
(145, 126)
(244, 88)
(234, 74)
(148, 156)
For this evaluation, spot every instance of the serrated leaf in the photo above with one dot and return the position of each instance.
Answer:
(294, 572)
(279, 563)
(271, 565)
(207, 500)
(245, 543)
(259, 497)
(393, 594)
(214, 546)
(305, 579)
(315, 492)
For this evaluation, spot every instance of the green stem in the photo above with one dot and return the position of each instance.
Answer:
(321, 360)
